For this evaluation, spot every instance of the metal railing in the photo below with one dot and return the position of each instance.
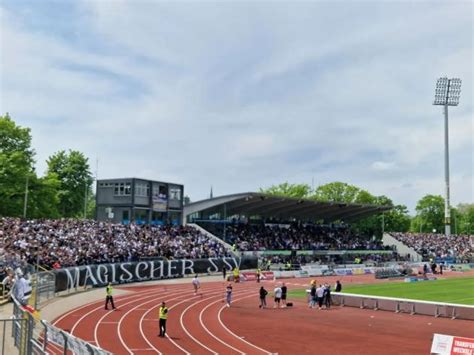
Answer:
(402, 305)
(34, 336)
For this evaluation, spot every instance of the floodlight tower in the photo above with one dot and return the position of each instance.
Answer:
(447, 94)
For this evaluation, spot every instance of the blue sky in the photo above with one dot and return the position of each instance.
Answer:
(243, 95)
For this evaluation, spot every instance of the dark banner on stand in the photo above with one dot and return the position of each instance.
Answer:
(99, 275)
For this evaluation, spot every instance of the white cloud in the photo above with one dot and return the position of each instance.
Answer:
(383, 166)
(241, 97)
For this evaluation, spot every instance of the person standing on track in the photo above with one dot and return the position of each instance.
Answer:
(312, 296)
(109, 297)
(228, 295)
(258, 274)
(320, 295)
(327, 296)
(236, 274)
(224, 272)
(284, 291)
(163, 317)
(263, 297)
(338, 287)
(277, 294)
(196, 284)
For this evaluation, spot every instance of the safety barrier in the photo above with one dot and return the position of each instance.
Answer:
(401, 305)
(34, 336)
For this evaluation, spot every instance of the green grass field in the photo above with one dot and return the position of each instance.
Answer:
(456, 290)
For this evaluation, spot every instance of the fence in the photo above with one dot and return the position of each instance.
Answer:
(8, 326)
(32, 336)
(400, 305)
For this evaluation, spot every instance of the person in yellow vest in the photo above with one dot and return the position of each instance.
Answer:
(108, 296)
(288, 265)
(163, 313)
(259, 272)
(236, 274)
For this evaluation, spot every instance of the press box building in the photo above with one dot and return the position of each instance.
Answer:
(139, 200)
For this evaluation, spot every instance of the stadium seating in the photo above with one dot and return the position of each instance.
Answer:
(254, 237)
(71, 242)
(458, 248)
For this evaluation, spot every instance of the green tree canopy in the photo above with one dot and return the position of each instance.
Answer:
(289, 190)
(429, 214)
(464, 219)
(75, 180)
(395, 220)
(16, 165)
(341, 192)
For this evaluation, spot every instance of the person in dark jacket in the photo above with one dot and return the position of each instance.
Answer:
(338, 287)
(263, 297)
(284, 291)
(327, 296)
(312, 296)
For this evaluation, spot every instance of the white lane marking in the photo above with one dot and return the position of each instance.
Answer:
(184, 328)
(119, 332)
(207, 330)
(236, 336)
(149, 295)
(171, 340)
(96, 328)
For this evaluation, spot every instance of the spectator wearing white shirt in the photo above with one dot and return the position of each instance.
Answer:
(196, 284)
(21, 288)
(320, 295)
(277, 293)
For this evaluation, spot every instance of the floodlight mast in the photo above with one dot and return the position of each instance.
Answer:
(447, 94)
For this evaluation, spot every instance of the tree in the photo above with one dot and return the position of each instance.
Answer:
(16, 165)
(340, 192)
(43, 197)
(186, 200)
(397, 219)
(288, 190)
(463, 221)
(75, 180)
(430, 214)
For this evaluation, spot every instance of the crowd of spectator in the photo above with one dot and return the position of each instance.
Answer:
(257, 237)
(431, 245)
(72, 242)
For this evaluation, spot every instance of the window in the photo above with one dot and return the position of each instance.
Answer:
(122, 189)
(175, 194)
(142, 189)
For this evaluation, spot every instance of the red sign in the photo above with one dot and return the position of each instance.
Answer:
(252, 276)
(462, 346)
(450, 345)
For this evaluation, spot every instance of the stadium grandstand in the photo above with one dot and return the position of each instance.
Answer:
(282, 228)
(274, 228)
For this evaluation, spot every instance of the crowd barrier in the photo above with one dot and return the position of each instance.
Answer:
(400, 305)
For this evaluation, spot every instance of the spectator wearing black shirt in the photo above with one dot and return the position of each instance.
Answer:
(327, 296)
(263, 297)
(284, 291)
(312, 296)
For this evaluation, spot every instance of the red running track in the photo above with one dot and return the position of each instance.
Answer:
(202, 324)
(194, 324)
